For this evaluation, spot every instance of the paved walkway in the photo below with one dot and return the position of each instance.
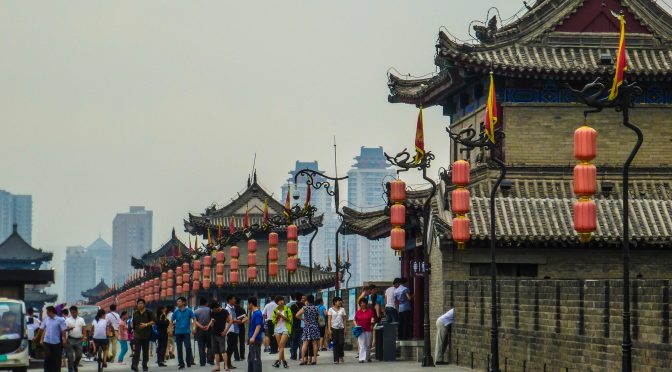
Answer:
(324, 364)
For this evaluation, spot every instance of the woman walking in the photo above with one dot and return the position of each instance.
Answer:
(311, 331)
(100, 330)
(336, 317)
(364, 318)
(282, 326)
(162, 338)
(123, 337)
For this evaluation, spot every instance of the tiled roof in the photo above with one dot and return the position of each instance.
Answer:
(533, 47)
(14, 248)
(196, 225)
(173, 247)
(301, 276)
(100, 288)
(550, 219)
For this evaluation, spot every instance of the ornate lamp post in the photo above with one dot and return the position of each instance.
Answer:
(466, 138)
(405, 161)
(315, 179)
(593, 94)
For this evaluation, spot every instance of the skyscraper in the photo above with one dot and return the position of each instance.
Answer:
(372, 260)
(16, 209)
(131, 236)
(80, 273)
(101, 252)
(324, 243)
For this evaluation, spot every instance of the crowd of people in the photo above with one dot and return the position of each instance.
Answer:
(223, 331)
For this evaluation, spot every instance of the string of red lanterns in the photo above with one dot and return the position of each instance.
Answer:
(460, 205)
(234, 276)
(273, 254)
(398, 216)
(585, 182)
(292, 248)
(251, 260)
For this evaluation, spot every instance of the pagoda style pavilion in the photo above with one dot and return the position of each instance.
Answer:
(555, 42)
(96, 293)
(169, 251)
(21, 274)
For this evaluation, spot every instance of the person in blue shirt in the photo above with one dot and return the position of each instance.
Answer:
(403, 297)
(256, 335)
(182, 319)
(53, 339)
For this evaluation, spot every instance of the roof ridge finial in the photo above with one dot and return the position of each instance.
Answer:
(174, 235)
(15, 227)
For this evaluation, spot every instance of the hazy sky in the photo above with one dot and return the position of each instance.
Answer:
(106, 104)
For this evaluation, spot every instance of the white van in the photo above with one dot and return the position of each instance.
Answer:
(13, 337)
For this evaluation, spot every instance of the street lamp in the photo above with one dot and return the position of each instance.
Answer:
(466, 138)
(593, 95)
(405, 161)
(318, 180)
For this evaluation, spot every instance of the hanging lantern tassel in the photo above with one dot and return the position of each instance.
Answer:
(585, 182)
(398, 216)
(460, 202)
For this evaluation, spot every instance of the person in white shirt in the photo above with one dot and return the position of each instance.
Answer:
(76, 336)
(267, 314)
(390, 303)
(100, 339)
(443, 324)
(32, 324)
(336, 317)
(113, 319)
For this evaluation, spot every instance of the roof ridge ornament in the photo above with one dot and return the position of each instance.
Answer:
(486, 34)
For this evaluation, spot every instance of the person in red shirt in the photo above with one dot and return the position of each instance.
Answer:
(364, 318)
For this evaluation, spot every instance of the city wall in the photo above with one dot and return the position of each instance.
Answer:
(560, 325)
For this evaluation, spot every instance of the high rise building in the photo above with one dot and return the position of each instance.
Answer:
(80, 273)
(372, 260)
(16, 209)
(324, 243)
(101, 252)
(131, 237)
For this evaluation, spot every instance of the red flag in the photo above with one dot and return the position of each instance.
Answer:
(491, 111)
(246, 219)
(621, 62)
(232, 227)
(307, 204)
(419, 139)
(288, 204)
(191, 249)
(219, 233)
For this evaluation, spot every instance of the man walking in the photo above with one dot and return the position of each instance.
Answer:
(256, 336)
(443, 324)
(143, 320)
(76, 336)
(219, 324)
(182, 318)
(53, 339)
(113, 319)
(203, 333)
(268, 321)
(297, 328)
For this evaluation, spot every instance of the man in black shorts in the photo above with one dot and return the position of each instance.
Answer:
(220, 322)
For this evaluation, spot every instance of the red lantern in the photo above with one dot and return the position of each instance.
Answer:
(207, 261)
(163, 293)
(185, 288)
(235, 252)
(185, 278)
(292, 248)
(196, 286)
(272, 254)
(292, 264)
(461, 232)
(206, 283)
(398, 215)
(220, 257)
(398, 238)
(251, 273)
(585, 179)
(585, 218)
(170, 283)
(234, 277)
(460, 201)
(197, 265)
(169, 292)
(170, 274)
(272, 239)
(273, 269)
(185, 267)
(178, 271)
(219, 269)
(397, 191)
(251, 246)
(460, 174)
(164, 276)
(178, 280)
(234, 264)
(292, 232)
(585, 143)
(178, 290)
(251, 259)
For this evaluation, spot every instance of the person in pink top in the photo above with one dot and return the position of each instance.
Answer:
(123, 337)
(364, 318)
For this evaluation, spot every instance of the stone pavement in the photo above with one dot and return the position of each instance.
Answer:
(324, 364)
